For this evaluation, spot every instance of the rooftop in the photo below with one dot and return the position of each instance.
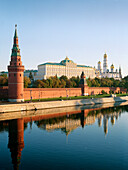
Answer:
(62, 63)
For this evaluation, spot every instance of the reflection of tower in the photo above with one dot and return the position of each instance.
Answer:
(100, 120)
(105, 63)
(117, 115)
(82, 118)
(105, 124)
(15, 70)
(112, 119)
(16, 140)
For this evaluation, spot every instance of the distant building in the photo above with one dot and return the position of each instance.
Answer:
(106, 73)
(27, 73)
(66, 67)
(4, 73)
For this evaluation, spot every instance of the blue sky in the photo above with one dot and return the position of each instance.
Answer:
(49, 30)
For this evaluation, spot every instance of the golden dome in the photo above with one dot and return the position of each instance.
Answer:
(105, 55)
(112, 66)
(99, 62)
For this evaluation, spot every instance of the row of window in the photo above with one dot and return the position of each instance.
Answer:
(16, 59)
(14, 75)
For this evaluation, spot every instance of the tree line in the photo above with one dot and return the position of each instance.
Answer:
(64, 82)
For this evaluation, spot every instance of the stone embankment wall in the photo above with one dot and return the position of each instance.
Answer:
(59, 104)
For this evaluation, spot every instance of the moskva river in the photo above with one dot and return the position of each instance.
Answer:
(73, 138)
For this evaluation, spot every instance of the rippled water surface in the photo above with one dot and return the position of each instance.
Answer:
(78, 139)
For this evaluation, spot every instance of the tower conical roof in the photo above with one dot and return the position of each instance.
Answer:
(15, 49)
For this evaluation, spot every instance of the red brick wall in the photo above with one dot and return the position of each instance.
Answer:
(37, 93)
(98, 90)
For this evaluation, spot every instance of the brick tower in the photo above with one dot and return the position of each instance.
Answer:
(16, 71)
(83, 85)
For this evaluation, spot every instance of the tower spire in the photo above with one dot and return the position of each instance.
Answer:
(15, 35)
(16, 70)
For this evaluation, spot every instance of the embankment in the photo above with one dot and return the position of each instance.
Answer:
(57, 104)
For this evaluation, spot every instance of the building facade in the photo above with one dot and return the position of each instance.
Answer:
(27, 73)
(66, 67)
(116, 74)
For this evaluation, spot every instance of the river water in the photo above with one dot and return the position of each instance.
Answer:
(75, 138)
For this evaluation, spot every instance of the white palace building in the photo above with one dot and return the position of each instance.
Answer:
(66, 67)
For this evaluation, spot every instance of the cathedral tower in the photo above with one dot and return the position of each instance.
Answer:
(120, 74)
(105, 63)
(112, 68)
(99, 67)
(16, 71)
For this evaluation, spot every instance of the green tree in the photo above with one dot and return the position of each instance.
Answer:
(3, 81)
(27, 82)
(31, 76)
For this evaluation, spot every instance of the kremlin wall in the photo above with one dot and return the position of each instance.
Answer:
(15, 92)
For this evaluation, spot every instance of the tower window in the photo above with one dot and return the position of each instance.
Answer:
(19, 64)
(20, 75)
(14, 74)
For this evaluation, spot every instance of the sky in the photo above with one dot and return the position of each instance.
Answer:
(50, 30)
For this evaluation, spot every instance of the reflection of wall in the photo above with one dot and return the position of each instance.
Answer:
(68, 124)
(90, 120)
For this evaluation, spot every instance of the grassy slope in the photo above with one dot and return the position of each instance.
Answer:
(77, 97)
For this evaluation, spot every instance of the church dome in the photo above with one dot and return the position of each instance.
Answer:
(66, 58)
(99, 62)
(112, 66)
(105, 55)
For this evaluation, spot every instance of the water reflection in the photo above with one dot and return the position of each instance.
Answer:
(66, 122)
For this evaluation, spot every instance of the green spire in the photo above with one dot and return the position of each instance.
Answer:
(15, 49)
(15, 35)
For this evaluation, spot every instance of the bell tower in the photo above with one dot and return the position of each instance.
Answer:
(16, 73)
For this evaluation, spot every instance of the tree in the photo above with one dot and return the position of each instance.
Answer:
(3, 81)
(27, 82)
(64, 78)
(103, 92)
(63, 83)
(31, 76)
